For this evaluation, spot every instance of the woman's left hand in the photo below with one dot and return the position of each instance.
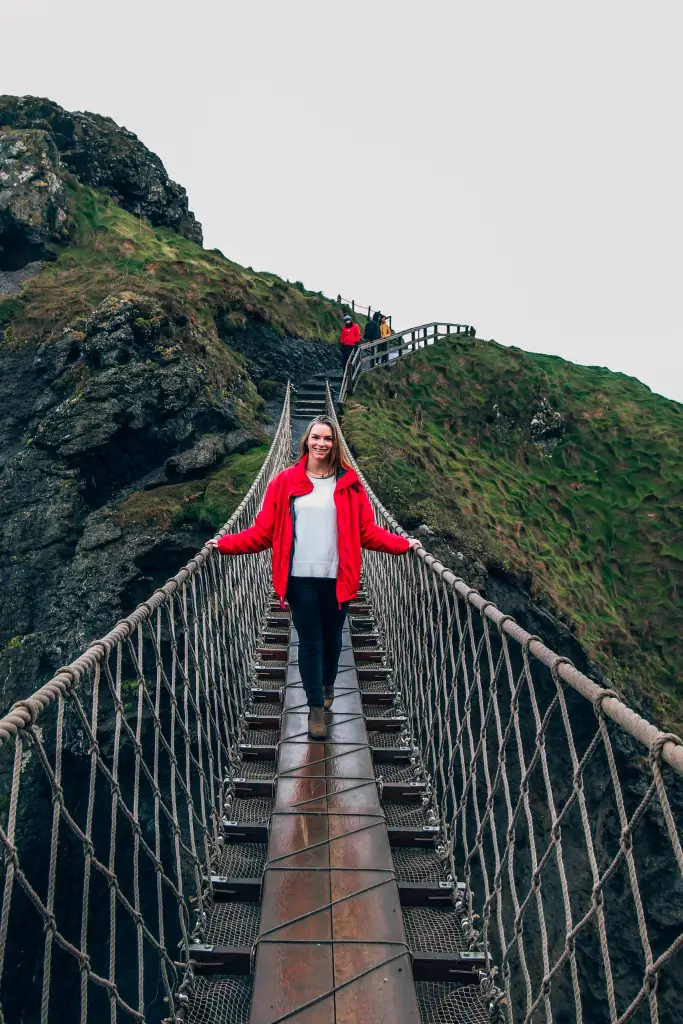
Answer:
(414, 543)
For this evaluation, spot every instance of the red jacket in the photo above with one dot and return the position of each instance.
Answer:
(350, 335)
(356, 528)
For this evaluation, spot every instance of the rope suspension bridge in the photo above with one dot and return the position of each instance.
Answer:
(486, 835)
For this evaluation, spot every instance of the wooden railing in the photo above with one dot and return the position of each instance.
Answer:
(356, 307)
(371, 354)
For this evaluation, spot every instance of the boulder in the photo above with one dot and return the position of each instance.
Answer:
(106, 156)
(33, 210)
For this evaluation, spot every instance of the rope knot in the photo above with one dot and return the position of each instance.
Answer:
(65, 670)
(31, 707)
(601, 696)
(657, 745)
(626, 840)
(555, 668)
(529, 639)
(501, 622)
(651, 978)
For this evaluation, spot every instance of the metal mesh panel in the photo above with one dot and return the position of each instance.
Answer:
(443, 1003)
(266, 769)
(434, 930)
(381, 710)
(250, 809)
(263, 708)
(376, 686)
(395, 772)
(404, 814)
(261, 737)
(386, 739)
(232, 924)
(220, 1001)
(242, 860)
(266, 684)
(416, 865)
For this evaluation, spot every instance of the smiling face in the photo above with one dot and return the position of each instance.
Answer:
(320, 444)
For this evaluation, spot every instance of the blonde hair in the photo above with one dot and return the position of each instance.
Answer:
(338, 458)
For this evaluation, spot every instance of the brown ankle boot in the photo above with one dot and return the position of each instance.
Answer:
(317, 729)
(328, 697)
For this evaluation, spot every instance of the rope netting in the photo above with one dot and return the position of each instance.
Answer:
(118, 771)
(560, 808)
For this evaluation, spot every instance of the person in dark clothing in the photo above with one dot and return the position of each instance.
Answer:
(371, 333)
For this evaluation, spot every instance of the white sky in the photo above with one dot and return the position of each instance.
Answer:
(517, 166)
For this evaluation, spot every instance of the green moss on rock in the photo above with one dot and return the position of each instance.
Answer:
(209, 501)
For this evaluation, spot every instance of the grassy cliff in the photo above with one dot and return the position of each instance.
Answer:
(569, 477)
(113, 250)
(221, 314)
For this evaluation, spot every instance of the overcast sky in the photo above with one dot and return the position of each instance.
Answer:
(516, 166)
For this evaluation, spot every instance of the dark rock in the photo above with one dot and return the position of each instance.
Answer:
(106, 156)
(544, 425)
(209, 450)
(33, 211)
(110, 406)
(274, 358)
(547, 427)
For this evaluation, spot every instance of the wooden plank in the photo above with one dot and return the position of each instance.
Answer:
(341, 903)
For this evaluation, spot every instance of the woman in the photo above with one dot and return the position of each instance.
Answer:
(316, 517)
(384, 332)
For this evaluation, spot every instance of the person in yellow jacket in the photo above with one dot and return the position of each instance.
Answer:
(384, 332)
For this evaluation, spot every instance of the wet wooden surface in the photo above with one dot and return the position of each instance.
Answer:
(328, 843)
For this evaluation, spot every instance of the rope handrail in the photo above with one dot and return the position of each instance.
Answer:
(120, 773)
(561, 831)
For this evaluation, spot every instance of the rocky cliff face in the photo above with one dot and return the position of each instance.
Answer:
(113, 407)
(133, 372)
(108, 157)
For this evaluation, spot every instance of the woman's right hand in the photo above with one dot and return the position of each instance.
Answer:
(213, 543)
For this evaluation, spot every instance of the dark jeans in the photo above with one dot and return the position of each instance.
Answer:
(319, 622)
(346, 351)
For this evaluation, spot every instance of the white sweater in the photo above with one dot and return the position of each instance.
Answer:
(315, 531)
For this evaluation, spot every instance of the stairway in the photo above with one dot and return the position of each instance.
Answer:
(310, 400)
(445, 972)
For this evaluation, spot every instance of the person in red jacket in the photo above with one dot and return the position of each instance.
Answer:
(348, 339)
(316, 517)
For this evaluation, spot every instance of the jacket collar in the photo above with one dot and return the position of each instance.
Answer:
(302, 484)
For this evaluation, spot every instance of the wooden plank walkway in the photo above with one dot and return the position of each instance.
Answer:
(332, 947)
